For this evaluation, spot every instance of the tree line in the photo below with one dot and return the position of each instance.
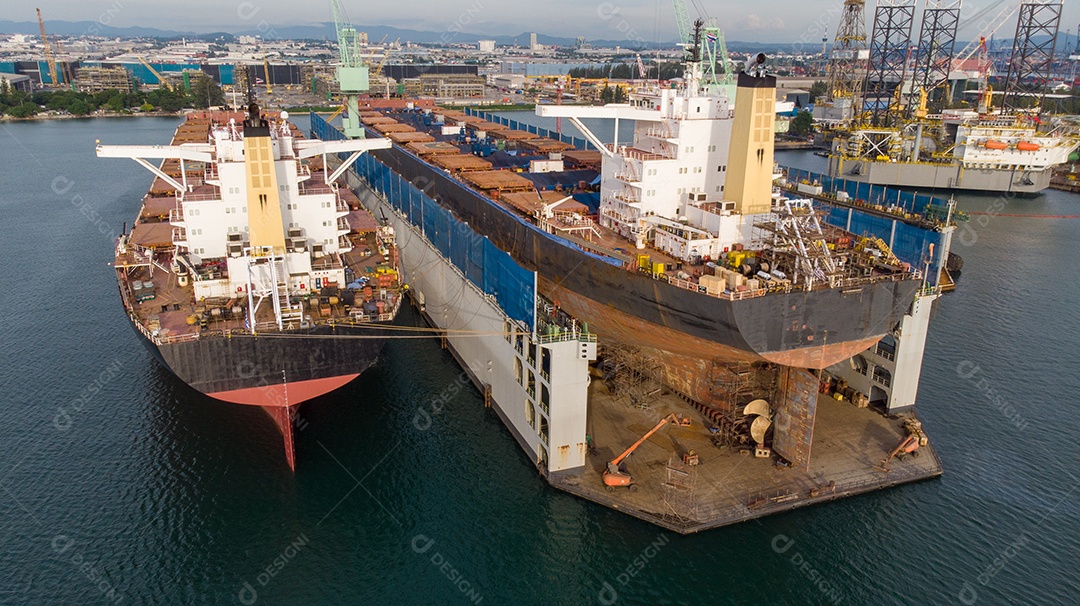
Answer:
(21, 104)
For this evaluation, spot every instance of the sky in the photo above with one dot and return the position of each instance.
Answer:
(799, 22)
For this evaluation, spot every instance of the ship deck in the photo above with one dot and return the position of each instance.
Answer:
(509, 181)
(173, 314)
(731, 485)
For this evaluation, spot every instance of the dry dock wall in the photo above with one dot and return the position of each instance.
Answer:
(538, 385)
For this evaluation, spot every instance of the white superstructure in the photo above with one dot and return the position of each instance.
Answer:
(226, 216)
(666, 188)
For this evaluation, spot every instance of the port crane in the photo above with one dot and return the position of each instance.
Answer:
(613, 476)
(352, 74)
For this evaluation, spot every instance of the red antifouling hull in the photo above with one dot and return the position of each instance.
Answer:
(282, 402)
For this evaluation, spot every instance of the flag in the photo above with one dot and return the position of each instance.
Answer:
(711, 37)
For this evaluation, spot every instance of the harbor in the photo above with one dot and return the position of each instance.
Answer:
(478, 496)
(417, 348)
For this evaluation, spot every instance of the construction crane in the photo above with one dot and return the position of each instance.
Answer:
(69, 78)
(613, 476)
(644, 73)
(266, 74)
(978, 42)
(49, 59)
(352, 74)
(161, 79)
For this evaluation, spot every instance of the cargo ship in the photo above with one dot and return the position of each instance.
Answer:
(690, 254)
(249, 273)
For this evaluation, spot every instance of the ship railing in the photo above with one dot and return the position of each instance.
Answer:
(668, 131)
(179, 235)
(326, 262)
(566, 336)
(343, 224)
(341, 206)
(176, 215)
(210, 174)
(740, 295)
(637, 154)
(307, 188)
(303, 170)
(186, 197)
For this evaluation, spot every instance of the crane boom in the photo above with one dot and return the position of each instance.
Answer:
(161, 80)
(266, 72)
(619, 459)
(682, 17)
(49, 59)
(988, 31)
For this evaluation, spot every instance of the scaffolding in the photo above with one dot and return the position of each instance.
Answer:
(98, 79)
(888, 60)
(631, 378)
(1032, 55)
(678, 490)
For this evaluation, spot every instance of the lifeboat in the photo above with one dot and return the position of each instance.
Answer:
(995, 144)
(1027, 146)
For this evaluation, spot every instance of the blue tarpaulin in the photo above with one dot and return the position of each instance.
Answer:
(490, 269)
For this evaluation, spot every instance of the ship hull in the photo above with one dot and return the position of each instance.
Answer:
(275, 372)
(939, 176)
(809, 329)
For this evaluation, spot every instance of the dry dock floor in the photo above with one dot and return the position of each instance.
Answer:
(728, 486)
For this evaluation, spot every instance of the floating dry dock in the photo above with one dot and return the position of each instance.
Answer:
(682, 345)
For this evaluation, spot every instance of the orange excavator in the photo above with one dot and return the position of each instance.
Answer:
(613, 476)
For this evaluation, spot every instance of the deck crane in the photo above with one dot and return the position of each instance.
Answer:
(715, 61)
(351, 73)
(49, 59)
(613, 476)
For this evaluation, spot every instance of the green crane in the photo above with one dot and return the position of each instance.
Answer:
(714, 56)
(351, 74)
